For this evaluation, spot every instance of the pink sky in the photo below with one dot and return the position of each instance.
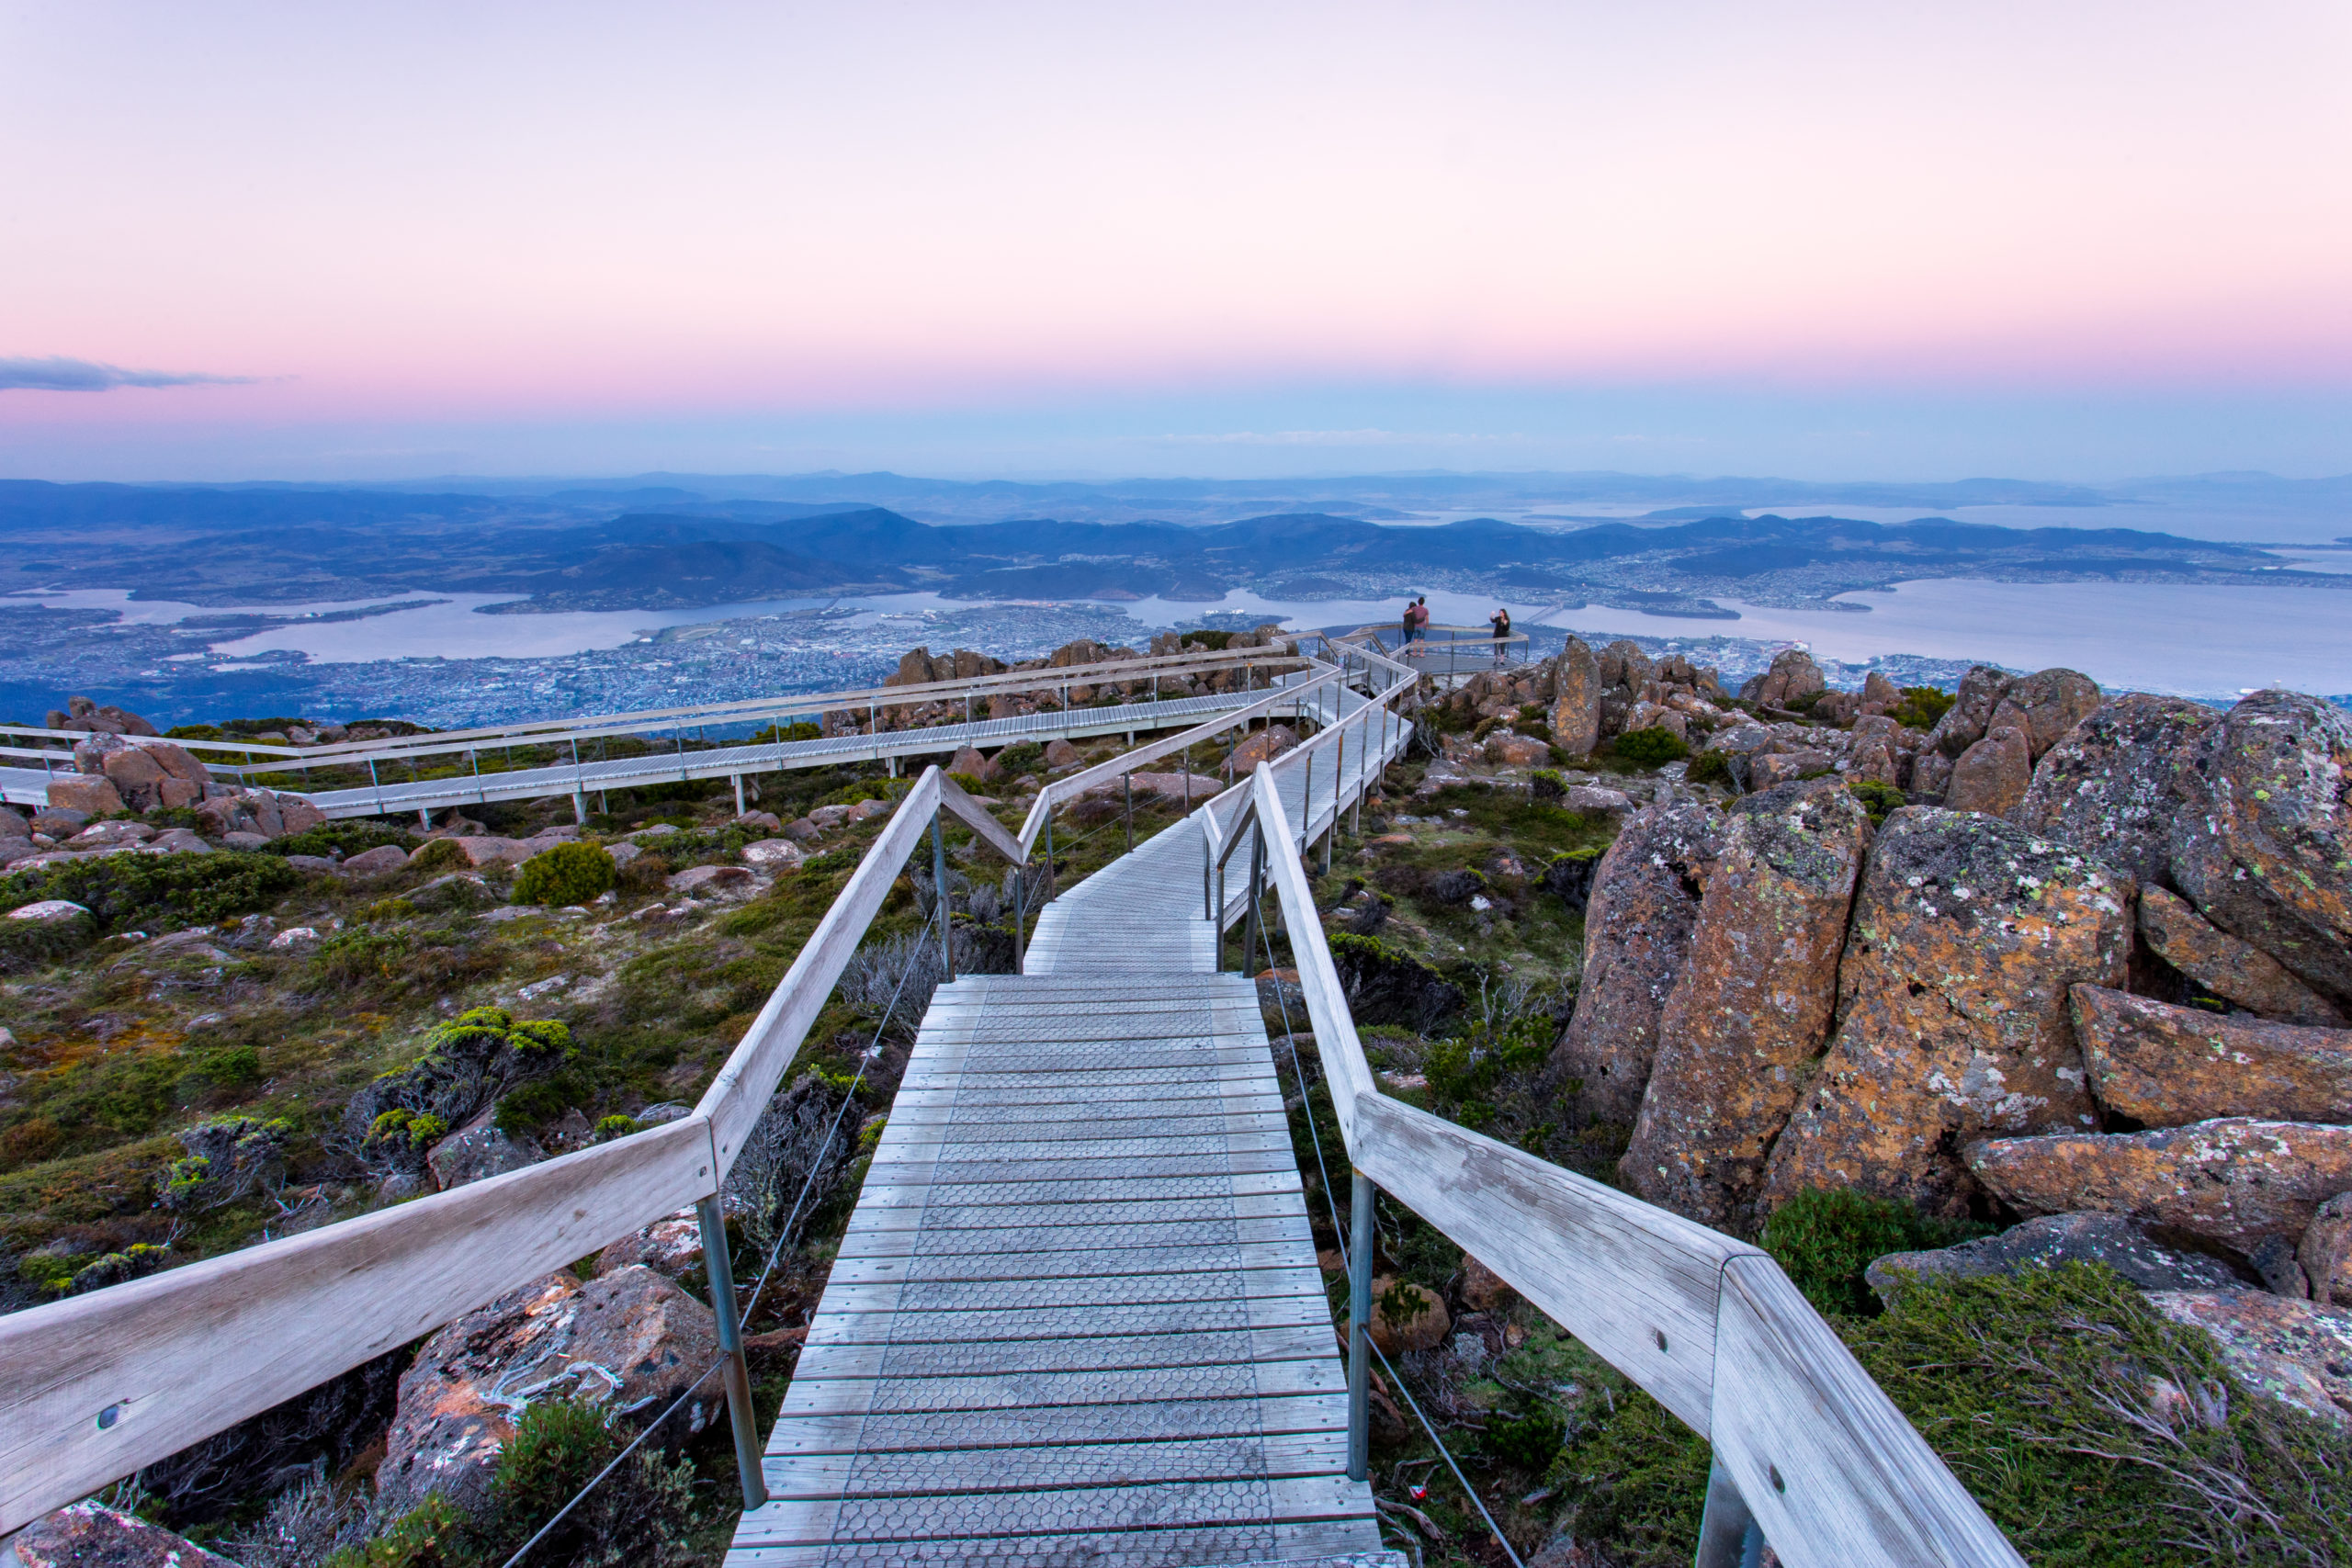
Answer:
(438, 223)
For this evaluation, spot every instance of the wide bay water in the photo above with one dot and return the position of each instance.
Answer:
(2192, 639)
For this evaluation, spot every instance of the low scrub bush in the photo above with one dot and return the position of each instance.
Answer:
(35, 945)
(1824, 1239)
(1877, 799)
(1709, 767)
(148, 891)
(467, 1062)
(1922, 706)
(1650, 747)
(345, 838)
(564, 875)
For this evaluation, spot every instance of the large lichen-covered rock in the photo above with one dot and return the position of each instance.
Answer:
(1637, 928)
(1575, 699)
(2236, 1181)
(2111, 786)
(629, 1341)
(2051, 1239)
(2167, 1067)
(1751, 1010)
(1992, 775)
(1623, 664)
(469, 1062)
(2229, 969)
(88, 1534)
(2287, 1350)
(1952, 1016)
(2045, 706)
(2264, 849)
(1971, 714)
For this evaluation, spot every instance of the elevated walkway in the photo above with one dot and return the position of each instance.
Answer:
(1078, 1317)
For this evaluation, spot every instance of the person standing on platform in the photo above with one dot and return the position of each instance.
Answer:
(1501, 621)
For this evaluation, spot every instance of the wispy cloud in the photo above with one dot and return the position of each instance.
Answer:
(61, 375)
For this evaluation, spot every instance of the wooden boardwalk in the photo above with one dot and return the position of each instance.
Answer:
(1077, 1318)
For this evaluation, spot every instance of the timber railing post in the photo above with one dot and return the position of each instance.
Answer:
(739, 1412)
(1360, 1202)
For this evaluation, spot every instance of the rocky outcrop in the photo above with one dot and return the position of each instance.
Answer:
(2227, 967)
(629, 1341)
(1750, 1011)
(1262, 746)
(2112, 782)
(671, 1247)
(1638, 925)
(2045, 706)
(478, 1152)
(2264, 849)
(1991, 776)
(1793, 675)
(83, 714)
(2044, 1243)
(88, 1534)
(1971, 714)
(1575, 699)
(2167, 1067)
(1952, 1008)
(93, 795)
(2289, 1351)
(2237, 1181)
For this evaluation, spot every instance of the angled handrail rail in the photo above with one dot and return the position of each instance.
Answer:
(96, 1386)
(1707, 1324)
(1077, 784)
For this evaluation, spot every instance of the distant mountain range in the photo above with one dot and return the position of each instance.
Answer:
(660, 546)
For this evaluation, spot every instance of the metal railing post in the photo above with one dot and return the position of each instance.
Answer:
(1019, 912)
(739, 1412)
(1359, 1326)
(1257, 894)
(1127, 805)
(939, 897)
(1728, 1534)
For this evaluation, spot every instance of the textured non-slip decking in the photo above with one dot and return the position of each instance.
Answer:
(1077, 1318)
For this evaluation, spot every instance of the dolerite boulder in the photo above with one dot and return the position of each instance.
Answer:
(2325, 1252)
(1750, 1013)
(1575, 699)
(1971, 714)
(629, 1341)
(90, 1535)
(1637, 933)
(2289, 1351)
(1793, 675)
(2264, 849)
(2229, 969)
(1992, 775)
(2235, 1181)
(2045, 706)
(1405, 1318)
(2044, 1243)
(92, 795)
(1951, 1004)
(2167, 1067)
(2111, 784)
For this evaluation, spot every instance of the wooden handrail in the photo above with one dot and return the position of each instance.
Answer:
(1706, 1323)
(96, 1386)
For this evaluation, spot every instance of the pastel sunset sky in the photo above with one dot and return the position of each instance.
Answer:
(2075, 239)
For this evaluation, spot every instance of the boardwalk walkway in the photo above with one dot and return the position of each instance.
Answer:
(1078, 1317)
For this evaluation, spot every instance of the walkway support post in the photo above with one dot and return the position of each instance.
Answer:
(940, 899)
(1360, 1327)
(1728, 1536)
(730, 1347)
(738, 780)
(1019, 912)
(579, 807)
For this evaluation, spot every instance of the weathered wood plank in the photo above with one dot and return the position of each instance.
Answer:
(961, 1515)
(182, 1355)
(1831, 1470)
(1074, 1426)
